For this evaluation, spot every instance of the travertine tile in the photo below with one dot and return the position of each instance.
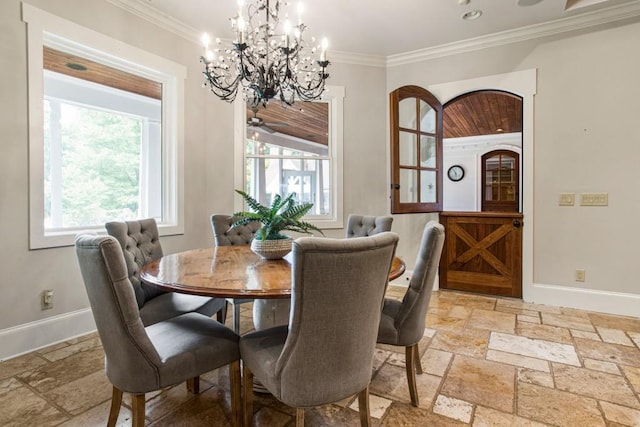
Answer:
(481, 382)
(599, 385)
(528, 319)
(557, 408)
(564, 321)
(476, 301)
(584, 334)
(453, 408)
(55, 374)
(544, 332)
(68, 350)
(518, 360)
(400, 414)
(599, 365)
(540, 349)
(540, 378)
(615, 353)
(269, 417)
(96, 417)
(635, 337)
(391, 382)
(28, 362)
(493, 320)
(84, 393)
(19, 407)
(204, 409)
(614, 336)
(487, 417)
(470, 342)
(633, 375)
(333, 415)
(435, 362)
(377, 406)
(627, 324)
(446, 323)
(620, 414)
(513, 303)
(460, 311)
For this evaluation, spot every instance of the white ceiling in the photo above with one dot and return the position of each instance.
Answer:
(385, 28)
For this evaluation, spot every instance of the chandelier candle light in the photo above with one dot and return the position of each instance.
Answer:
(263, 60)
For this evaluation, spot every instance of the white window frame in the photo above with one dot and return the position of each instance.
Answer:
(334, 96)
(45, 28)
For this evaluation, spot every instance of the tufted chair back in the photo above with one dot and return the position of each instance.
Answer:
(363, 226)
(140, 242)
(227, 236)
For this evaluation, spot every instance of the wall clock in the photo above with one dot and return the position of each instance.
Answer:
(455, 173)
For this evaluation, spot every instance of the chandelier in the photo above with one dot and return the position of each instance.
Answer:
(264, 61)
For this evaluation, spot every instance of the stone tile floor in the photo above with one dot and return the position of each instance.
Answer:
(487, 362)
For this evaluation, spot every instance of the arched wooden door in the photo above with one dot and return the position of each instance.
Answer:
(483, 250)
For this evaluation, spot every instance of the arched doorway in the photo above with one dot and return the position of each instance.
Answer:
(483, 248)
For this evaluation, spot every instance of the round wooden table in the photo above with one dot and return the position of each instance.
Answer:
(228, 272)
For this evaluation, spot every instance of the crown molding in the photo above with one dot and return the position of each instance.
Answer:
(147, 12)
(562, 25)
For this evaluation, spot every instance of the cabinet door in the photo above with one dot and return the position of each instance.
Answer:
(500, 181)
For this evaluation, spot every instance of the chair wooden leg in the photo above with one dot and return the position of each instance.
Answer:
(363, 407)
(410, 364)
(247, 401)
(299, 417)
(236, 393)
(116, 401)
(417, 359)
(193, 385)
(137, 410)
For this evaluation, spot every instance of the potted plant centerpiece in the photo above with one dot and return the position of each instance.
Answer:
(283, 214)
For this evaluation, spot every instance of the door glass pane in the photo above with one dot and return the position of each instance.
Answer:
(408, 186)
(407, 113)
(408, 155)
(427, 151)
(428, 187)
(427, 118)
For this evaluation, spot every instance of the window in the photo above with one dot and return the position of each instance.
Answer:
(297, 150)
(416, 151)
(105, 137)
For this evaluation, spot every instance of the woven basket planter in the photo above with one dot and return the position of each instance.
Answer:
(271, 249)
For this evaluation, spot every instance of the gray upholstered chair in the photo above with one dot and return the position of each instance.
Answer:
(140, 243)
(224, 235)
(142, 359)
(367, 225)
(326, 352)
(403, 322)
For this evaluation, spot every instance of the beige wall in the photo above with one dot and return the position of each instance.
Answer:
(586, 140)
(208, 155)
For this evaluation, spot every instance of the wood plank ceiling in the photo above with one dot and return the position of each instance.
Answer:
(85, 69)
(482, 113)
(305, 120)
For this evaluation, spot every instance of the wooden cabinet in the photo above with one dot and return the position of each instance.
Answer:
(500, 181)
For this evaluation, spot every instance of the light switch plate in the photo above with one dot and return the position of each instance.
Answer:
(594, 199)
(567, 199)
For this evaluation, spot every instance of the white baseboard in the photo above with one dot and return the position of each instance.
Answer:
(32, 336)
(623, 304)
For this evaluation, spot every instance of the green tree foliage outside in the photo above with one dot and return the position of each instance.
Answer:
(100, 166)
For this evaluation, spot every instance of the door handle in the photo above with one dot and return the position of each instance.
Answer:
(395, 186)
(517, 223)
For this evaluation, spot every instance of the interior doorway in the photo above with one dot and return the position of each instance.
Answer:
(483, 245)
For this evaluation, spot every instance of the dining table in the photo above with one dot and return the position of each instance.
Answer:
(228, 272)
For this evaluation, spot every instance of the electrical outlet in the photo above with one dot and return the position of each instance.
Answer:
(580, 275)
(47, 299)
